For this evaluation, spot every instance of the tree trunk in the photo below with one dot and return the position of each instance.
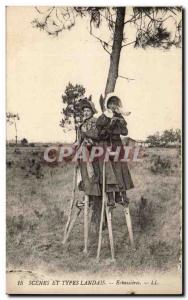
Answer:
(116, 50)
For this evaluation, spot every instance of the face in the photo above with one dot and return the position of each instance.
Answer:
(87, 112)
(112, 106)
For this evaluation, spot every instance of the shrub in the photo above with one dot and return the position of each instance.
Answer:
(145, 214)
(24, 142)
(160, 165)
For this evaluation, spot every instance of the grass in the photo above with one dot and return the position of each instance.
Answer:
(37, 212)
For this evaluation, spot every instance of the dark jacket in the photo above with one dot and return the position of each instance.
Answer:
(87, 137)
(109, 132)
(88, 130)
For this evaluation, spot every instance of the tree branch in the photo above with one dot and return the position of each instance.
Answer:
(56, 12)
(133, 19)
(125, 45)
(38, 10)
(48, 15)
(111, 23)
(103, 43)
(108, 19)
(158, 20)
(127, 78)
(173, 11)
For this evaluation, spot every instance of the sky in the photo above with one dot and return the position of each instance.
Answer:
(40, 66)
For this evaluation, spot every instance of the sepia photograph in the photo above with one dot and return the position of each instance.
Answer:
(94, 181)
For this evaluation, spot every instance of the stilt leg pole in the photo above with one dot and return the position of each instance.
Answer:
(110, 232)
(86, 226)
(129, 224)
(75, 215)
(102, 213)
(71, 204)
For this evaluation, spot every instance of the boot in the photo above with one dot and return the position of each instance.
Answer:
(125, 199)
(80, 203)
(121, 198)
(110, 199)
(118, 198)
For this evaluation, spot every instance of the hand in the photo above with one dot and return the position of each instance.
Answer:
(113, 121)
(88, 142)
(76, 145)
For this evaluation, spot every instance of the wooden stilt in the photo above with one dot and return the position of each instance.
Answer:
(86, 208)
(110, 232)
(75, 215)
(102, 214)
(129, 224)
(90, 213)
(71, 204)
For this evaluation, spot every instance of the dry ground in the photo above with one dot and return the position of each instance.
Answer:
(37, 203)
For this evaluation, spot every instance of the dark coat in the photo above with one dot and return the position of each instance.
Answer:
(88, 136)
(118, 176)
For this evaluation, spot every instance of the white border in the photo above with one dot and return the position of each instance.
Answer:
(96, 2)
(2, 151)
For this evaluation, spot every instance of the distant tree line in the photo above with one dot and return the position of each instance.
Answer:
(167, 137)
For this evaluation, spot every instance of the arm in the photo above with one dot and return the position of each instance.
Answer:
(118, 125)
(91, 131)
(103, 126)
(123, 127)
(92, 134)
